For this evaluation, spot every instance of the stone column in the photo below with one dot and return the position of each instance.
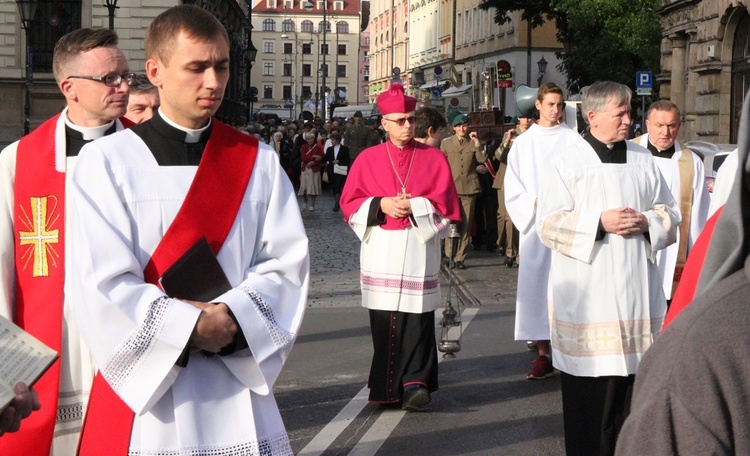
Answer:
(679, 70)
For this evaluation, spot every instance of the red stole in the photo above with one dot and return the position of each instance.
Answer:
(39, 225)
(225, 170)
(691, 273)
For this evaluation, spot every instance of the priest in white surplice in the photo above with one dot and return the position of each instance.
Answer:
(528, 158)
(94, 77)
(604, 210)
(193, 377)
(684, 174)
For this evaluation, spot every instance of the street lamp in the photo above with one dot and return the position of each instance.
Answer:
(27, 8)
(325, 46)
(111, 7)
(250, 53)
(542, 70)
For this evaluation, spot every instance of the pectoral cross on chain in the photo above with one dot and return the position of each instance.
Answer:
(403, 194)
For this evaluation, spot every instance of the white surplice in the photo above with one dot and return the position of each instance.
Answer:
(76, 365)
(406, 279)
(606, 300)
(666, 259)
(218, 405)
(528, 158)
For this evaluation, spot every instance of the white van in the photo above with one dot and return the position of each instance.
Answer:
(367, 110)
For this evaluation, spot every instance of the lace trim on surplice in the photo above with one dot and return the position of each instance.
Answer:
(123, 361)
(272, 446)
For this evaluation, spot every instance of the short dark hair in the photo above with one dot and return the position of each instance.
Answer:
(662, 105)
(142, 85)
(196, 22)
(335, 135)
(82, 40)
(427, 117)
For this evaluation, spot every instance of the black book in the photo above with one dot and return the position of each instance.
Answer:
(196, 275)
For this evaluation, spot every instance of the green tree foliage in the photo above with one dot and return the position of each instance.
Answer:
(602, 39)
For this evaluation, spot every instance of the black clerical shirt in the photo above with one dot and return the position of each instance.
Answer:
(666, 153)
(74, 141)
(168, 145)
(617, 154)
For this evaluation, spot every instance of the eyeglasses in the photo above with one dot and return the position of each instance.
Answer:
(400, 122)
(111, 80)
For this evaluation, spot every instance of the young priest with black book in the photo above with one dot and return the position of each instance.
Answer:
(181, 372)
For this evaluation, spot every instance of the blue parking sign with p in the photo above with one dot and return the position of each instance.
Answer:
(644, 80)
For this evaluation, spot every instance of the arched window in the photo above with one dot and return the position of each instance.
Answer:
(326, 24)
(342, 27)
(269, 25)
(307, 26)
(287, 25)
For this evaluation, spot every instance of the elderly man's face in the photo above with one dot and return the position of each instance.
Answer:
(612, 124)
(663, 127)
(400, 127)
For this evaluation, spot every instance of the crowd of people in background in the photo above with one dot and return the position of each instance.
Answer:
(600, 226)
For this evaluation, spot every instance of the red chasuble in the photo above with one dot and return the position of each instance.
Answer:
(373, 175)
(223, 174)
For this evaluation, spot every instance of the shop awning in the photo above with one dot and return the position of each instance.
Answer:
(432, 84)
(453, 91)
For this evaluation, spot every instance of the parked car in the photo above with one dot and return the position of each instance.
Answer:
(713, 157)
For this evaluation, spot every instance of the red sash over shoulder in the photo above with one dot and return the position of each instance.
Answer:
(39, 225)
(692, 272)
(224, 170)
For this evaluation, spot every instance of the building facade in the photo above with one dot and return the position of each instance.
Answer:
(54, 18)
(440, 48)
(705, 65)
(308, 56)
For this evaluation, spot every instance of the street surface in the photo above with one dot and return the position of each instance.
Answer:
(485, 405)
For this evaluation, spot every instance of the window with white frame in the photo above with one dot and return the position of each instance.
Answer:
(288, 4)
(307, 26)
(321, 4)
(342, 27)
(338, 5)
(268, 47)
(287, 25)
(326, 24)
(269, 25)
(268, 69)
(271, 3)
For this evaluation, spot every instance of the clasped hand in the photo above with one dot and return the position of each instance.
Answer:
(396, 207)
(624, 221)
(215, 328)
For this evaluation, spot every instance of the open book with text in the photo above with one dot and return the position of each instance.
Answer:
(23, 358)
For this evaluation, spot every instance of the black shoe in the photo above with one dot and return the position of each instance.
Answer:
(509, 261)
(460, 265)
(415, 399)
(445, 260)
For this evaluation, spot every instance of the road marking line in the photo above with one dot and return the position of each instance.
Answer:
(374, 438)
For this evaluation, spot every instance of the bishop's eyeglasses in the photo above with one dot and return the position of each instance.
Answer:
(111, 80)
(400, 122)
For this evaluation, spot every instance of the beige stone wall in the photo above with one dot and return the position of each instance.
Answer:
(696, 65)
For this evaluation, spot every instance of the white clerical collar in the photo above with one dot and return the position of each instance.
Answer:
(191, 135)
(88, 133)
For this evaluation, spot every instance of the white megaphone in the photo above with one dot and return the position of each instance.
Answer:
(526, 100)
